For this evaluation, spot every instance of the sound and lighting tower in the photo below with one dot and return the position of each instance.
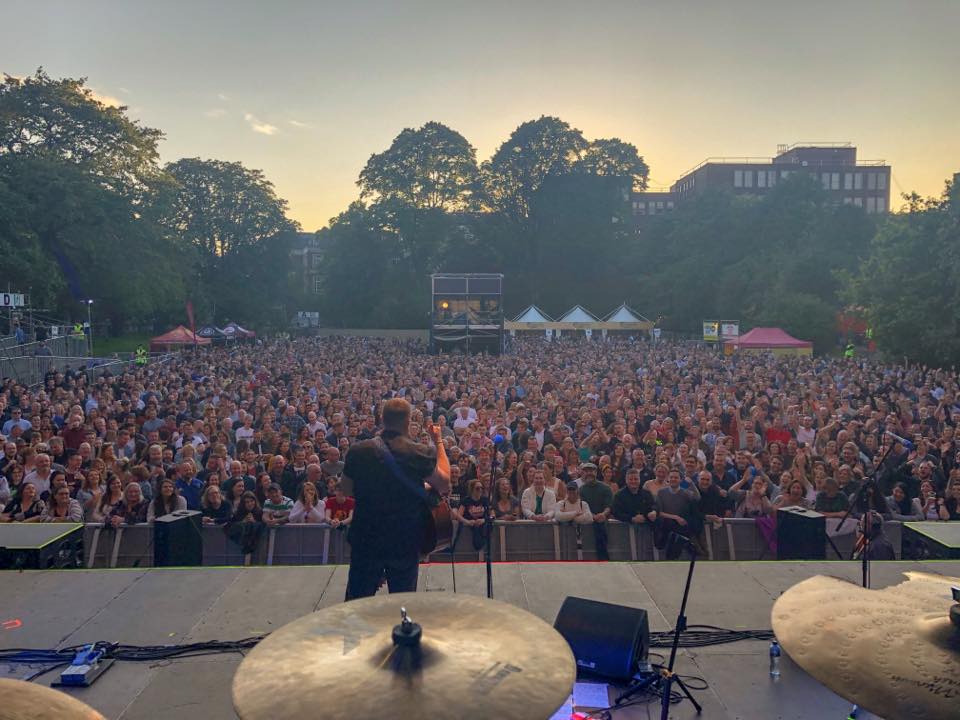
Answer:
(466, 313)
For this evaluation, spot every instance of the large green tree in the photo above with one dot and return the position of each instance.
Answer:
(429, 168)
(910, 282)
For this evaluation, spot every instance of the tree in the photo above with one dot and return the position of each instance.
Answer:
(910, 282)
(43, 117)
(615, 157)
(535, 150)
(430, 168)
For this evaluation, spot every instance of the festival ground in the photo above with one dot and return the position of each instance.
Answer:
(167, 606)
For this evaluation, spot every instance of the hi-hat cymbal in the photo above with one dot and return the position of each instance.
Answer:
(477, 659)
(892, 651)
(21, 700)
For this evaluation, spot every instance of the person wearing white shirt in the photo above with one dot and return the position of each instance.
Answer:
(308, 508)
(572, 508)
(538, 501)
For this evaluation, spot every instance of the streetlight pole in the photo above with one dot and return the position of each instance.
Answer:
(90, 328)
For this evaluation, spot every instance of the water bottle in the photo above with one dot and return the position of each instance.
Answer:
(774, 659)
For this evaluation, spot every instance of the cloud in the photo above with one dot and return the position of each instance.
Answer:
(108, 100)
(258, 126)
(298, 124)
(123, 90)
(222, 96)
(214, 113)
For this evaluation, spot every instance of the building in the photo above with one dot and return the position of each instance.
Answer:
(306, 259)
(863, 183)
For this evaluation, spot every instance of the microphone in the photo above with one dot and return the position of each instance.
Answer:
(903, 441)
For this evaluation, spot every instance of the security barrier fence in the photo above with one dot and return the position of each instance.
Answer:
(735, 539)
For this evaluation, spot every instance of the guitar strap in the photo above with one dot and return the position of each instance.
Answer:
(394, 467)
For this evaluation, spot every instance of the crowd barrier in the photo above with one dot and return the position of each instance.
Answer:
(132, 546)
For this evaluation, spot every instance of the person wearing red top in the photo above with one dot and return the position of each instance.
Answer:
(339, 508)
(776, 432)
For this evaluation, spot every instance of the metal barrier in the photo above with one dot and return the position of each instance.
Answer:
(30, 371)
(62, 345)
(526, 541)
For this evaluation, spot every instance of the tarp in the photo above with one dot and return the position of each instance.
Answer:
(233, 330)
(178, 336)
(625, 314)
(212, 332)
(532, 314)
(768, 337)
(577, 314)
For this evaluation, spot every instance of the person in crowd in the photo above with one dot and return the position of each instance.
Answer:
(633, 504)
(754, 502)
(573, 508)
(168, 500)
(188, 485)
(675, 511)
(949, 508)
(339, 507)
(109, 501)
(246, 524)
(505, 505)
(538, 501)
(308, 508)
(831, 502)
(599, 497)
(62, 507)
(27, 507)
(929, 501)
(793, 495)
(276, 510)
(472, 512)
(132, 510)
(902, 507)
(215, 509)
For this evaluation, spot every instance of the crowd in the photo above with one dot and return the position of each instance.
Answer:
(673, 436)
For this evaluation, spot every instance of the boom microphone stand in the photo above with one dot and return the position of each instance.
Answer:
(488, 520)
(669, 678)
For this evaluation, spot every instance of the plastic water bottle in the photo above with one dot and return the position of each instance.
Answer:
(774, 659)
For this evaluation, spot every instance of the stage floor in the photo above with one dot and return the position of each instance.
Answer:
(167, 606)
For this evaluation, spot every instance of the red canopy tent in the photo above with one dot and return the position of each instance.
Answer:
(179, 336)
(768, 339)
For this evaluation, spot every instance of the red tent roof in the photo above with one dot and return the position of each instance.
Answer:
(179, 336)
(767, 337)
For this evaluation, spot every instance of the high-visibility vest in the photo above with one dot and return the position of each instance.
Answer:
(141, 356)
(849, 352)
(78, 328)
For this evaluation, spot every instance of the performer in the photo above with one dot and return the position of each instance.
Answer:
(386, 475)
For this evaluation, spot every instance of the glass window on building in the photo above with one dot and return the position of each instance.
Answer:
(317, 285)
(858, 181)
(871, 204)
(738, 178)
(871, 181)
(881, 204)
(670, 205)
(848, 181)
(858, 202)
(748, 178)
(848, 201)
(835, 181)
(881, 181)
(659, 204)
(784, 174)
(761, 179)
(825, 180)
(771, 178)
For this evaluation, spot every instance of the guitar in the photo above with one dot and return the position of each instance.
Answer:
(437, 525)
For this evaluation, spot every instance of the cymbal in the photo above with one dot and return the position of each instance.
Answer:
(892, 651)
(477, 659)
(21, 700)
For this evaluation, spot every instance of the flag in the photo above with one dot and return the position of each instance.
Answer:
(193, 324)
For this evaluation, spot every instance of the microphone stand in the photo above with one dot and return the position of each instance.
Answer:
(488, 520)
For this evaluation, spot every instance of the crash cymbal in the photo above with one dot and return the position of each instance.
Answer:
(21, 700)
(476, 659)
(892, 651)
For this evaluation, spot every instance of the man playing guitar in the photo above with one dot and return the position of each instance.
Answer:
(387, 475)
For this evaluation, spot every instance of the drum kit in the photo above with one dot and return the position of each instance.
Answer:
(895, 652)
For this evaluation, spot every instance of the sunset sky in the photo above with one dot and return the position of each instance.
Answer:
(306, 91)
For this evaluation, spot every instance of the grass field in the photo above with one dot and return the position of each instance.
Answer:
(104, 347)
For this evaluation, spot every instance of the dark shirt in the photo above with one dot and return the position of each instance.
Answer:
(838, 503)
(190, 490)
(627, 504)
(389, 510)
(712, 502)
(131, 515)
(597, 495)
(221, 514)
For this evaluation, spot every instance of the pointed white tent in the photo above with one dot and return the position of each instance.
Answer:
(532, 314)
(577, 314)
(625, 314)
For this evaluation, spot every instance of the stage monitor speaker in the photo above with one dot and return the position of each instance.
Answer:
(930, 541)
(606, 639)
(177, 539)
(802, 534)
(41, 546)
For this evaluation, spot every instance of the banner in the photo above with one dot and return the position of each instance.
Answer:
(729, 330)
(711, 330)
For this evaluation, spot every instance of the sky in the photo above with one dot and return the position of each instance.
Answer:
(307, 90)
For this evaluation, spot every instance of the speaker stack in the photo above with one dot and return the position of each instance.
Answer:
(177, 539)
(801, 534)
